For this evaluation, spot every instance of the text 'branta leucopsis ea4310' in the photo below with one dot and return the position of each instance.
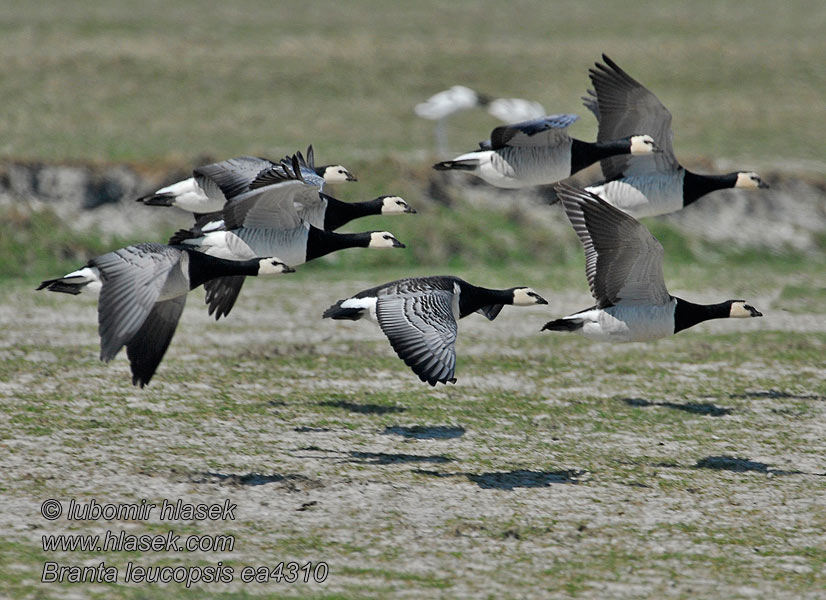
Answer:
(624, 266)
(645, 186)
(265, 222)
(420, 317)
(212, 185)
(540, 152)
(143, 290)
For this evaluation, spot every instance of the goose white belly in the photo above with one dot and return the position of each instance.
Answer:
(628, 323)
(524, 166)
(643, 195)
(287, 245)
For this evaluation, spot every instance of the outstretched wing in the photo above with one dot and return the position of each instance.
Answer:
(545, 131)
(230, 177)
(623, 261)
(147, 347)
(221, 294)
(133, 278)
(421, 327)
(624, 107)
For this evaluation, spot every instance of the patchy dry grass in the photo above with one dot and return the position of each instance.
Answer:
(554, 468)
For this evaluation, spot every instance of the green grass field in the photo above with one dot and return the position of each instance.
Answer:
(148, 82)
(555, 468)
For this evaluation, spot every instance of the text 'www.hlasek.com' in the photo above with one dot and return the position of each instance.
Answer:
(167, 542)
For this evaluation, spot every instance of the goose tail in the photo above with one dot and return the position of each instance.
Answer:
(341, 313)
(457, 165)
(157, 199)
(562, 325)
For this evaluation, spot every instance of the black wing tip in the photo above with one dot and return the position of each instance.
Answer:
(433, 381)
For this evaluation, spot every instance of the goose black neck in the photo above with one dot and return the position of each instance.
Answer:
(696, 186)
(584, 154)
(340, 213)
(203, 267)
(687, 314)
(320, 242)
(472, 298)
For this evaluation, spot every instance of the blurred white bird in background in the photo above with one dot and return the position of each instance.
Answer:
(442, 105)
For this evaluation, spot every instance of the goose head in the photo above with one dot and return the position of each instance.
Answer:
(393, 205)
(643, 144)
(273, 266)
(383, 239)
(335, 174)
(749, 179)
(740, 309)
(525, 296)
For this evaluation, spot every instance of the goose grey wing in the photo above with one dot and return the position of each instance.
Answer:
(221, 294)
(623, 261)
(229, 177)
(133, 278)
(625, 107)
(545, 131)
(147, 347)
(422, 329)
(269, 207)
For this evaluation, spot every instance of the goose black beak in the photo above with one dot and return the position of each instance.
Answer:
(754, 312)
(398, 244)
(351, 177)
(410, 210)
(539, 299)
(288, 269)
(763, 185)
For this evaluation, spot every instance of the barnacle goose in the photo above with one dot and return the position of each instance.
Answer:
(539, 152)
(264, 222)
(143, 290)
(212, 185)
(419, 316)
(645, 186)
(623, 263)
(312, 204)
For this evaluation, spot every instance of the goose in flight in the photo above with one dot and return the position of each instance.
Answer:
(420, 317)
(624, 266)
(645, 186)
(143, 290)
(540, 152)
(212, 185)
(264, 222)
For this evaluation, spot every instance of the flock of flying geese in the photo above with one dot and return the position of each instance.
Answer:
(256, 217)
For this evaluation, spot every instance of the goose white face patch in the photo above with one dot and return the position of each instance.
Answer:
(384, 239)
(527, 297)
(337, 174)
(273, 266)
(643, 144)
(749, 180)
(393, 205)
(743, 310)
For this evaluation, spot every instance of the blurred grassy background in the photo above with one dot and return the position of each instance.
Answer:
(154, 81)
(169, 85)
